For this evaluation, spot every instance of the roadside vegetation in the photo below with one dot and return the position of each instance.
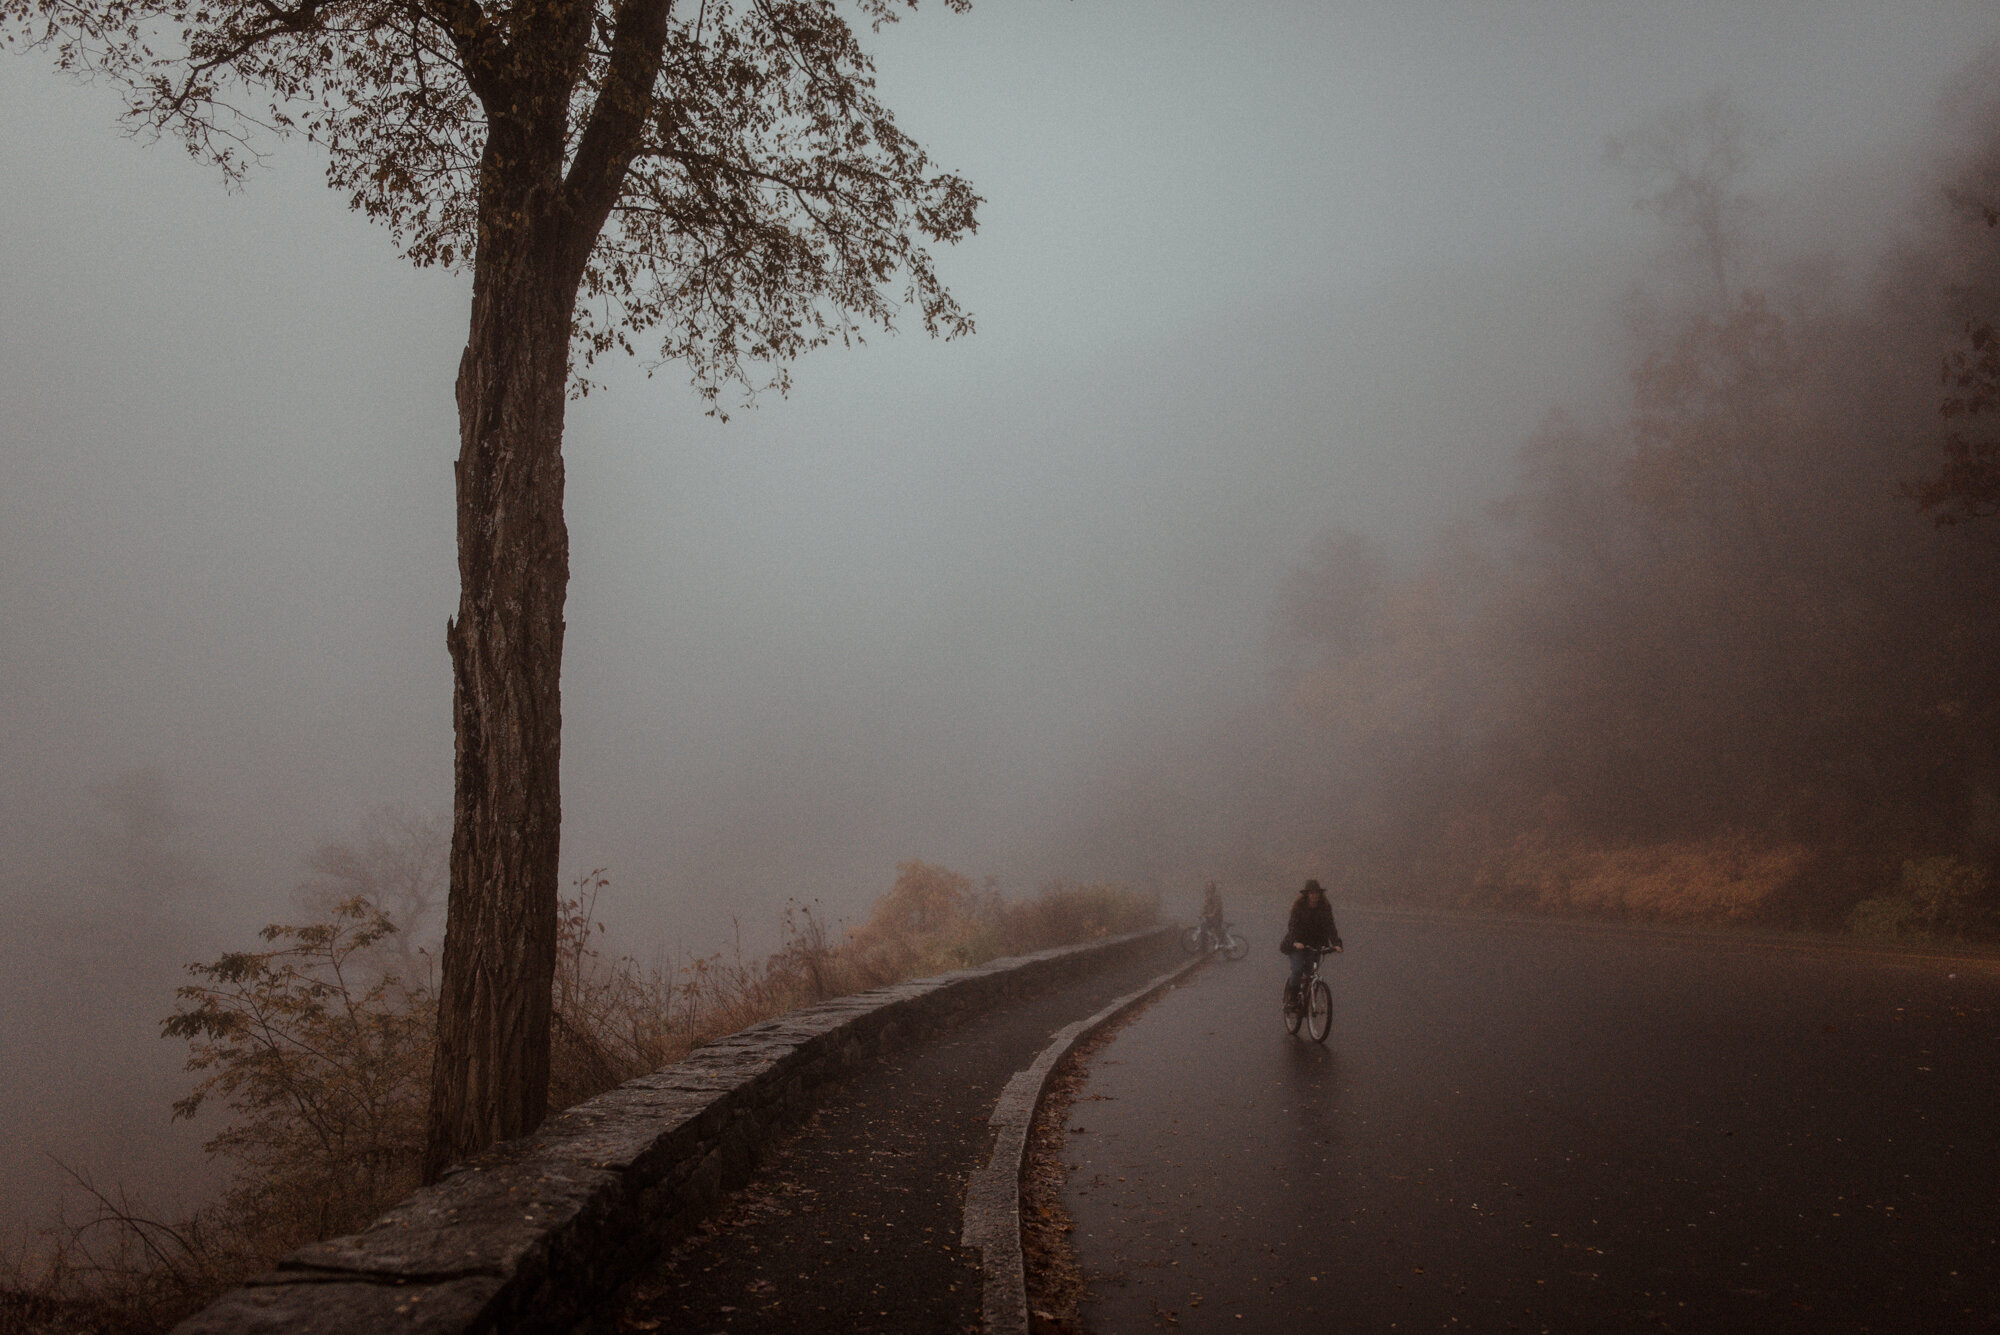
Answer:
(316, 1047)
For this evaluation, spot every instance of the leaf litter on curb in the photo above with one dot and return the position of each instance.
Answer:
(1056, 1282)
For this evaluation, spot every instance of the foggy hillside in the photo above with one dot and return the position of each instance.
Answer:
(1703, 656)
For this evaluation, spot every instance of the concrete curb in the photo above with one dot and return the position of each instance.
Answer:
(533, 1234)
(993, 1196)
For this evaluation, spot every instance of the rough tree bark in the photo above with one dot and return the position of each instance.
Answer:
(491, 1076)
(490, 1079)
(492, 1064)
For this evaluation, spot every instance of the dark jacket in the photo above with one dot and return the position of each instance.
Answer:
(1310, 924)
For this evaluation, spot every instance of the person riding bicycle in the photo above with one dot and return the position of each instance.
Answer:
(1309, 930)
(1211, 911)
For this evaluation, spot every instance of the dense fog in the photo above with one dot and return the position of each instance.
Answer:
(1321, 494)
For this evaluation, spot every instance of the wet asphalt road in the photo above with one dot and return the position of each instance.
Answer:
(1550, 1127)
(853, 1224)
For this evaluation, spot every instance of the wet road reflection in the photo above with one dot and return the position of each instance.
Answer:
(1547, 1126)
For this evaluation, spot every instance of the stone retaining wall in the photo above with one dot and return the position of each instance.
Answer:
(532, 1234)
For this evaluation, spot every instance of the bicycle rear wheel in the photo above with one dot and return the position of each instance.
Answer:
(1191, 940)
(1319, 1012)
(1293, 1012)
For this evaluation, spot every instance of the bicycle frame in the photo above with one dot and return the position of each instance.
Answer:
(1312, 1002)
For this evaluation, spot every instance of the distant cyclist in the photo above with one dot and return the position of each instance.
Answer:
(1309, 929)
(1211, 911)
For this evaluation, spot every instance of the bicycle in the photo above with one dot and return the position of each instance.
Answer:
(1229, 941)
(1312, 1003)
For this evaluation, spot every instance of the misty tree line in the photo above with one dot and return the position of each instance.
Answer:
(1732, 655)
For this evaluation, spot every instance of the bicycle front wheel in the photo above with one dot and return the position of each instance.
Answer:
(1235, 946)
(1319, 1012)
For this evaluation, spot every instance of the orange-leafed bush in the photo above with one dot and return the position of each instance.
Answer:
(933, 918)
(925, 900)
(1063, 913)
(1730, 878)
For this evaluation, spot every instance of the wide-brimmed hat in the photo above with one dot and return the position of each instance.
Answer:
(1313, 888)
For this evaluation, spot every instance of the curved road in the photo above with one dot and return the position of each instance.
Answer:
(1542, 1126)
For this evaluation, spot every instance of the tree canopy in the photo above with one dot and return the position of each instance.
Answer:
(756, 196)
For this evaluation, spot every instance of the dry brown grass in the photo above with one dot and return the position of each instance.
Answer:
(1727, 879)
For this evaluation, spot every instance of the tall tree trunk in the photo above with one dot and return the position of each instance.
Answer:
(491, 1073)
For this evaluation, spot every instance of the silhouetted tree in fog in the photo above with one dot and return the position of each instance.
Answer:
(1968, 485)
(1688, 163)
(720, 176)
(399, 861)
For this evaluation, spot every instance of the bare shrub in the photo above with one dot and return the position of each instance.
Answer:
(810, 957)
(614, 1019)
(117, 1271)
(323, 1075)
(322, 1071)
